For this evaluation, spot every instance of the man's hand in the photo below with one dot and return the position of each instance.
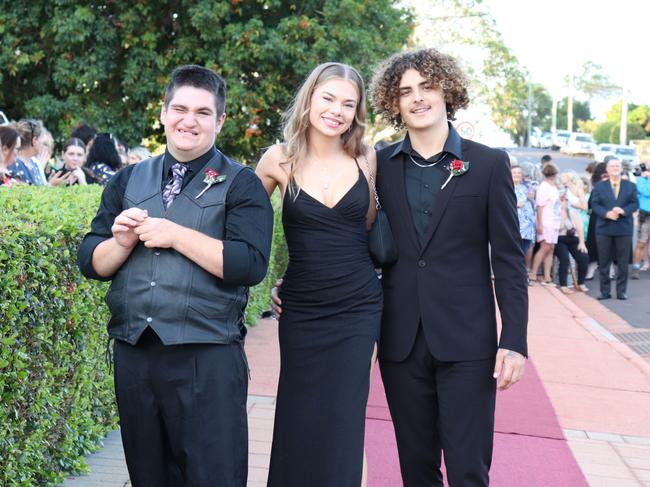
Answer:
(508, 368)
(157, 233)
(611, 215)
(124, 227)
(276, 302)
(618, 210)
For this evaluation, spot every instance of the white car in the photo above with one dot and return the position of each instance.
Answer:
(560, 138)
(3, 119)
(625, 153)
(579, 144)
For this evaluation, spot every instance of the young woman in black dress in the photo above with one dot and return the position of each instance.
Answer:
(331, 297)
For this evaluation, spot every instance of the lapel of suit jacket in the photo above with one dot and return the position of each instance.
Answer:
(397, 174)
(441, 204)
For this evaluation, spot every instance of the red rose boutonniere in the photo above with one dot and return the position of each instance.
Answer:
(456, 168)
(211, 177)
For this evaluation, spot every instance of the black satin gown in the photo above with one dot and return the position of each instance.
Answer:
(331, 311)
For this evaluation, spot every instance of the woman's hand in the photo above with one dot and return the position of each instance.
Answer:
(276, 302)
(582, 247)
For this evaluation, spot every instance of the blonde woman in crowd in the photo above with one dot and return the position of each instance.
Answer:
(138, 154)
(548, 223)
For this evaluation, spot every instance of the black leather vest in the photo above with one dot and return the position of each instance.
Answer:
(165, 290)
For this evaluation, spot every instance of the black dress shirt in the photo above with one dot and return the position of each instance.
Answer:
(249, 222)
(422, 184)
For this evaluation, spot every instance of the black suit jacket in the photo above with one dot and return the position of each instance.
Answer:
(603, 200)
(446, 284)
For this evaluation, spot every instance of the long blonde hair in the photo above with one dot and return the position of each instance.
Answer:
(295, 121)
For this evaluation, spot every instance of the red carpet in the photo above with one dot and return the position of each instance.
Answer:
(529, 447)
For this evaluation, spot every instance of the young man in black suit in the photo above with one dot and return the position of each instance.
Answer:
(614, 201)
(452, 209)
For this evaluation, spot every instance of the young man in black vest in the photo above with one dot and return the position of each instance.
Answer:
(452, 208)
(182, 236)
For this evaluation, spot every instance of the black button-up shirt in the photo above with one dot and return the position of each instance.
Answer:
(249, 221)
(422, 184)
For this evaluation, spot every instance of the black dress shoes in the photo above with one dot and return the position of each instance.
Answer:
(622, 296)
(604, 296)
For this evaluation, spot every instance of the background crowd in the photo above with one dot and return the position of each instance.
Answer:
(558, 222)
(27, 156)
(572, 225)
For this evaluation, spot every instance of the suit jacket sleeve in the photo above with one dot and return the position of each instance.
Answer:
(507, 258)
(597, 203)
(632, 203)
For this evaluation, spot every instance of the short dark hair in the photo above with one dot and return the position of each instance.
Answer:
(74, 142)
(550, 169)
(8, 136)
(84, 132)
(546, 158)
(198, 77)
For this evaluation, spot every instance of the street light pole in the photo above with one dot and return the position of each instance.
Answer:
(530, 111)
(569, 115)
(623, 133)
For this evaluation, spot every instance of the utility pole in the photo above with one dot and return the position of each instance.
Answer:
(530, 111)
(569, 115)
(554, 115)
(623, 134)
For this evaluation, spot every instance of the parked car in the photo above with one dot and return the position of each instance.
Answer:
(560, 138)
(625, 153)
(546, 140)
(602, 151)
(3, 119)
(579, 144)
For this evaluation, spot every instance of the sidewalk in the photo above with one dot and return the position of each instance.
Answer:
(580, 416)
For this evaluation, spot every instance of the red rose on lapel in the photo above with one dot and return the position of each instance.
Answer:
(211, 177)
(457, 165)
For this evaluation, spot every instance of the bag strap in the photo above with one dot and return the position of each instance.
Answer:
(372, 183)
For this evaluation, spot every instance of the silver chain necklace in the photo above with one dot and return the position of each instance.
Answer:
(444, 154)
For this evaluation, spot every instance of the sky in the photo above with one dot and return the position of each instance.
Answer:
(553, 37)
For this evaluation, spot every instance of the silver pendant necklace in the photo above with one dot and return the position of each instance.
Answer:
(444, 154)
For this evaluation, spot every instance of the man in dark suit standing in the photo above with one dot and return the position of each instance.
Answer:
(449, 201)
(614, 201)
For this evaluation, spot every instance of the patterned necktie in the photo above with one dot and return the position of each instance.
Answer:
(174, 186)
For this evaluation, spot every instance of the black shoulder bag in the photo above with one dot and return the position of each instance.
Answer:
(380, 237)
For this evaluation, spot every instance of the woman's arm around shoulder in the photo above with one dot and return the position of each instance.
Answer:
(270, 170)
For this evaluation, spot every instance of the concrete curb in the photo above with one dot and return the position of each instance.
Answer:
(599, 332)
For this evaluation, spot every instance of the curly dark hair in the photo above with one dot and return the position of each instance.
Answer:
(441, 69)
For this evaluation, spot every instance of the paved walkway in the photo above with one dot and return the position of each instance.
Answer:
(598, 387)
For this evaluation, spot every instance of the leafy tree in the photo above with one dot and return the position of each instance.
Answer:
(592, 81)
(542, 107)
(581, 112)
(603, 132)
(466, 29)
(107, 62)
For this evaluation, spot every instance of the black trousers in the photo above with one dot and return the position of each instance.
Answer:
(569, 245)
(613, 249)
(183, 413)
(441, 407)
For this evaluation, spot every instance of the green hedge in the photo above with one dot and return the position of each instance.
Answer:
(56, 391)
